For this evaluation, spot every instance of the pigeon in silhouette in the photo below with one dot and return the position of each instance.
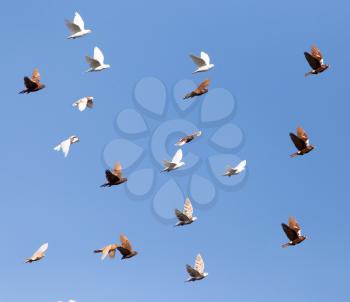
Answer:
(108, 250)
(315, 60)
(301, 142)
(201, 89)
(39, 254)
(236, 170)
(77, 27)
(175, 163)
(197, 272)
(97, 62)
(84, 102)
(125, 248)
(33, 84)
(114, 177)
(293, 232)
(186, 216)
(202, 62)
(65, 145)
(188, 138)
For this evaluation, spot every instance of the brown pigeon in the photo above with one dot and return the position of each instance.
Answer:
(33, 84)
(293, 232)
(201, 89)
(188, 138)
(315, 60)
(107, 250)
(301, 142)
(114, 177)
(125, 248)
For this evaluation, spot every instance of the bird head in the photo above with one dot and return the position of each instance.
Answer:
(43, 86)
(194, 218)
(107, 66)
(74, 139)
(205, 274)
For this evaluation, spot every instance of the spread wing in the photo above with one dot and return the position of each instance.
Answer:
(73, 28)
(294, 225)
(181, 216)
(36, 76)
(316, 53)
(65, 145)
(188, 209)
(302, 135)
(177, 157)
(298, 143)
(192, 272)
(92, 62)
(105, 252)
(117, 171)
(41, 250)
(205, 57)
(98, 55)
(199, 264)
(29, 83)
(241, 165)
(198, 61)
(313, 62)
(82, 104)
(111, 178)
(204, 85)
(291, 234)
(78, 20)
(125, 243)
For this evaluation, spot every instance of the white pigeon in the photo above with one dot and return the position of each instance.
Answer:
(175, 162)
(186, 216)
(236, 170)
(97, 62)
(202, 62)
(84, 102)
(197, 272)
(65, 145)
(76, 27)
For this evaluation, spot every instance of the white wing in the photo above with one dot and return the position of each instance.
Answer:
(65, 145)
(82, 105)
(199, 264)
(177, 157)
(79, 21)
(198, 61)
(104, 253)
(98, 55)
(188, 209)
(205, 58)
(240, 167)
(42, 249)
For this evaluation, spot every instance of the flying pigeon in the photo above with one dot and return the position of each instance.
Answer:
(315, 60)
(301, 142)
(108, 250)
(201, 89)
(188, 138)
(125, 248)
(186, 216)
(39, 254)
(114, 177)
(293, 232)
(202, 62)
(33, 84)
(76, 27)
(65, 145)
(97, 62)
(175, 162)
(197, 272)
(84, 102)
(236, 170)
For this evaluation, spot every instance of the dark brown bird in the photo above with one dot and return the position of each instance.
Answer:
(293, 232)
(114, 177)
(315, 60)
(301, 142)
(201, 89)
(33, 84)
(125, 248)
(188, 138)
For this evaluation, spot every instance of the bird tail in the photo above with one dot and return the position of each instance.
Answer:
(104, 185)
(28, 261)
(308, 73)
(97, 251)
(285, 245)
(57, 148)
(294, 154)
(188, 95)
(23, 91)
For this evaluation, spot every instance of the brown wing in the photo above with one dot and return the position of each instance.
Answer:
(111, 177)
(315, 52)
(291, 234)
(118, 170)
(313, 62)
(192, 272)
(302, 134)
(36, 76)
(298, 142)
(293, 224)
(204, 85)
(181, 216)
(29, 83)
(125, 243)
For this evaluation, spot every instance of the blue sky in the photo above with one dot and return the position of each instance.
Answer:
(257, 48)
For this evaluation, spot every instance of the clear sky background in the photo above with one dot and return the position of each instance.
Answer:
(257, 48)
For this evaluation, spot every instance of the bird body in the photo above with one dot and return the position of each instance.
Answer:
(197, 272)
(315, 60)
(201, 89)
(186, 216)
(202, 62)
(188, 138)
(65, 145)
(84, 102)
(32, 84)
(77, 27)
(114, 177)
(293, 232)
(301, 142)
(97, 62)
(108, 250)
(39, 254)
(236, 170)
(175, 163)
